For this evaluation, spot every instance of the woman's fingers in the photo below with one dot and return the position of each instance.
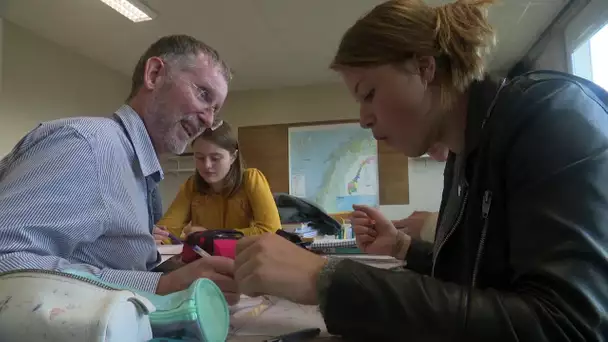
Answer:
(160, 234)
(161, 231)
(365, 239)
(359, 230)
(358, 214)
(362, 222)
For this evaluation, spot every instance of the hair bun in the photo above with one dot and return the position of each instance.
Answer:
(457, 35)
(464, 35)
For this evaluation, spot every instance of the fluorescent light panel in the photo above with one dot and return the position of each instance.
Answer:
(132, 9)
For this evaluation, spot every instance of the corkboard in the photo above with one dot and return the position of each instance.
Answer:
(267, 149)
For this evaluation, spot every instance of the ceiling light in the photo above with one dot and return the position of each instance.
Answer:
(132, 9)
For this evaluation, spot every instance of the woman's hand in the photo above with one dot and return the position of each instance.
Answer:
(160, 234)
(375, 233)
(261, 267)
(191, 229)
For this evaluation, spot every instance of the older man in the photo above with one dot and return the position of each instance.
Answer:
(81, 193)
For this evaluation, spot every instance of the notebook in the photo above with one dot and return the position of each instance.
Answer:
(167, 251)
(170, 249)
(334, 243)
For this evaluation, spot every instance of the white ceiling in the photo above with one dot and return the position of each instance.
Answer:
(268, 43)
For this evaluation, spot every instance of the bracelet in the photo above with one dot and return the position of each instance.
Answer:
(402, 244)
(324, 281)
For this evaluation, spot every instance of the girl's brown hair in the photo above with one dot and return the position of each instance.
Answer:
(223, 137)
(458, 35)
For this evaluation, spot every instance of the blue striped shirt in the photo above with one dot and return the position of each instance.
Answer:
(76, 194)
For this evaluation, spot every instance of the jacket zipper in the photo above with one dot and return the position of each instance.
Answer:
(452, 229)
(485, 211)
(62, 274)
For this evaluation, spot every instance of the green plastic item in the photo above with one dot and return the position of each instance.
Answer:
(199, 313)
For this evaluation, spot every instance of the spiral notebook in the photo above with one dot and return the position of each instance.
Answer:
(334, 243)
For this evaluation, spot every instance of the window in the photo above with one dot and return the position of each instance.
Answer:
(589, 59)
(586, 39)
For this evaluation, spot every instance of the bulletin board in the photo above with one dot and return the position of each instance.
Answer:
(266, 148)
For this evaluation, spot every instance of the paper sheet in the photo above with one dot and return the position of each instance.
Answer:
(170, 249)
(246, 311)
(281, 317)
(247, 304)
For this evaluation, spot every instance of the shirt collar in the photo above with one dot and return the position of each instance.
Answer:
(144, 150)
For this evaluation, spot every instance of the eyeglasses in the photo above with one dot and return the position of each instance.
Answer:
(203, 95)
(217, 123)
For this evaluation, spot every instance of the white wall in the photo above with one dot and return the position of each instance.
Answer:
(1, 57)
(316, 103)
(43, 81)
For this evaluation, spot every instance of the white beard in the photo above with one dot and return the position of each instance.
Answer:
(163, 130)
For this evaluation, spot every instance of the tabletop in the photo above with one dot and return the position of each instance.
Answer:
(279, 316)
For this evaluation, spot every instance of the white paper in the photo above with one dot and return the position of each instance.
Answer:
(170, 249)
(282, 318)
(298, 185)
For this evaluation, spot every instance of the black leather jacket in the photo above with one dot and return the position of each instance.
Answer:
(522, 243)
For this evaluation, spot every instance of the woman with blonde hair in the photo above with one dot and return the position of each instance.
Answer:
(521, 251)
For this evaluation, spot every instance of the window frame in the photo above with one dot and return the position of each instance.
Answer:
(583, 26)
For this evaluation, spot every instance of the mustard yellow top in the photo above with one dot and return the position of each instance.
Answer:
(251, 210)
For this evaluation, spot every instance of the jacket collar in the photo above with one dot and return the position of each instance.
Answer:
(144, 150)
(481, 96)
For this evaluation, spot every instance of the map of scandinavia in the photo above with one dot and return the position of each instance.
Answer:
(334, 166)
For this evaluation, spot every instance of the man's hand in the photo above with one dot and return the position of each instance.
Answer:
(218, 269)
(160, 234)
(413, 224)
(375, 233)
(270, 264)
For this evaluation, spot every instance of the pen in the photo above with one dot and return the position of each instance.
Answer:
(298, 336)
(200, 251)
(174, 238)
(196, 249)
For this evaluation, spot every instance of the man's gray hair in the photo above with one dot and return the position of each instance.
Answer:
(178, 50)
